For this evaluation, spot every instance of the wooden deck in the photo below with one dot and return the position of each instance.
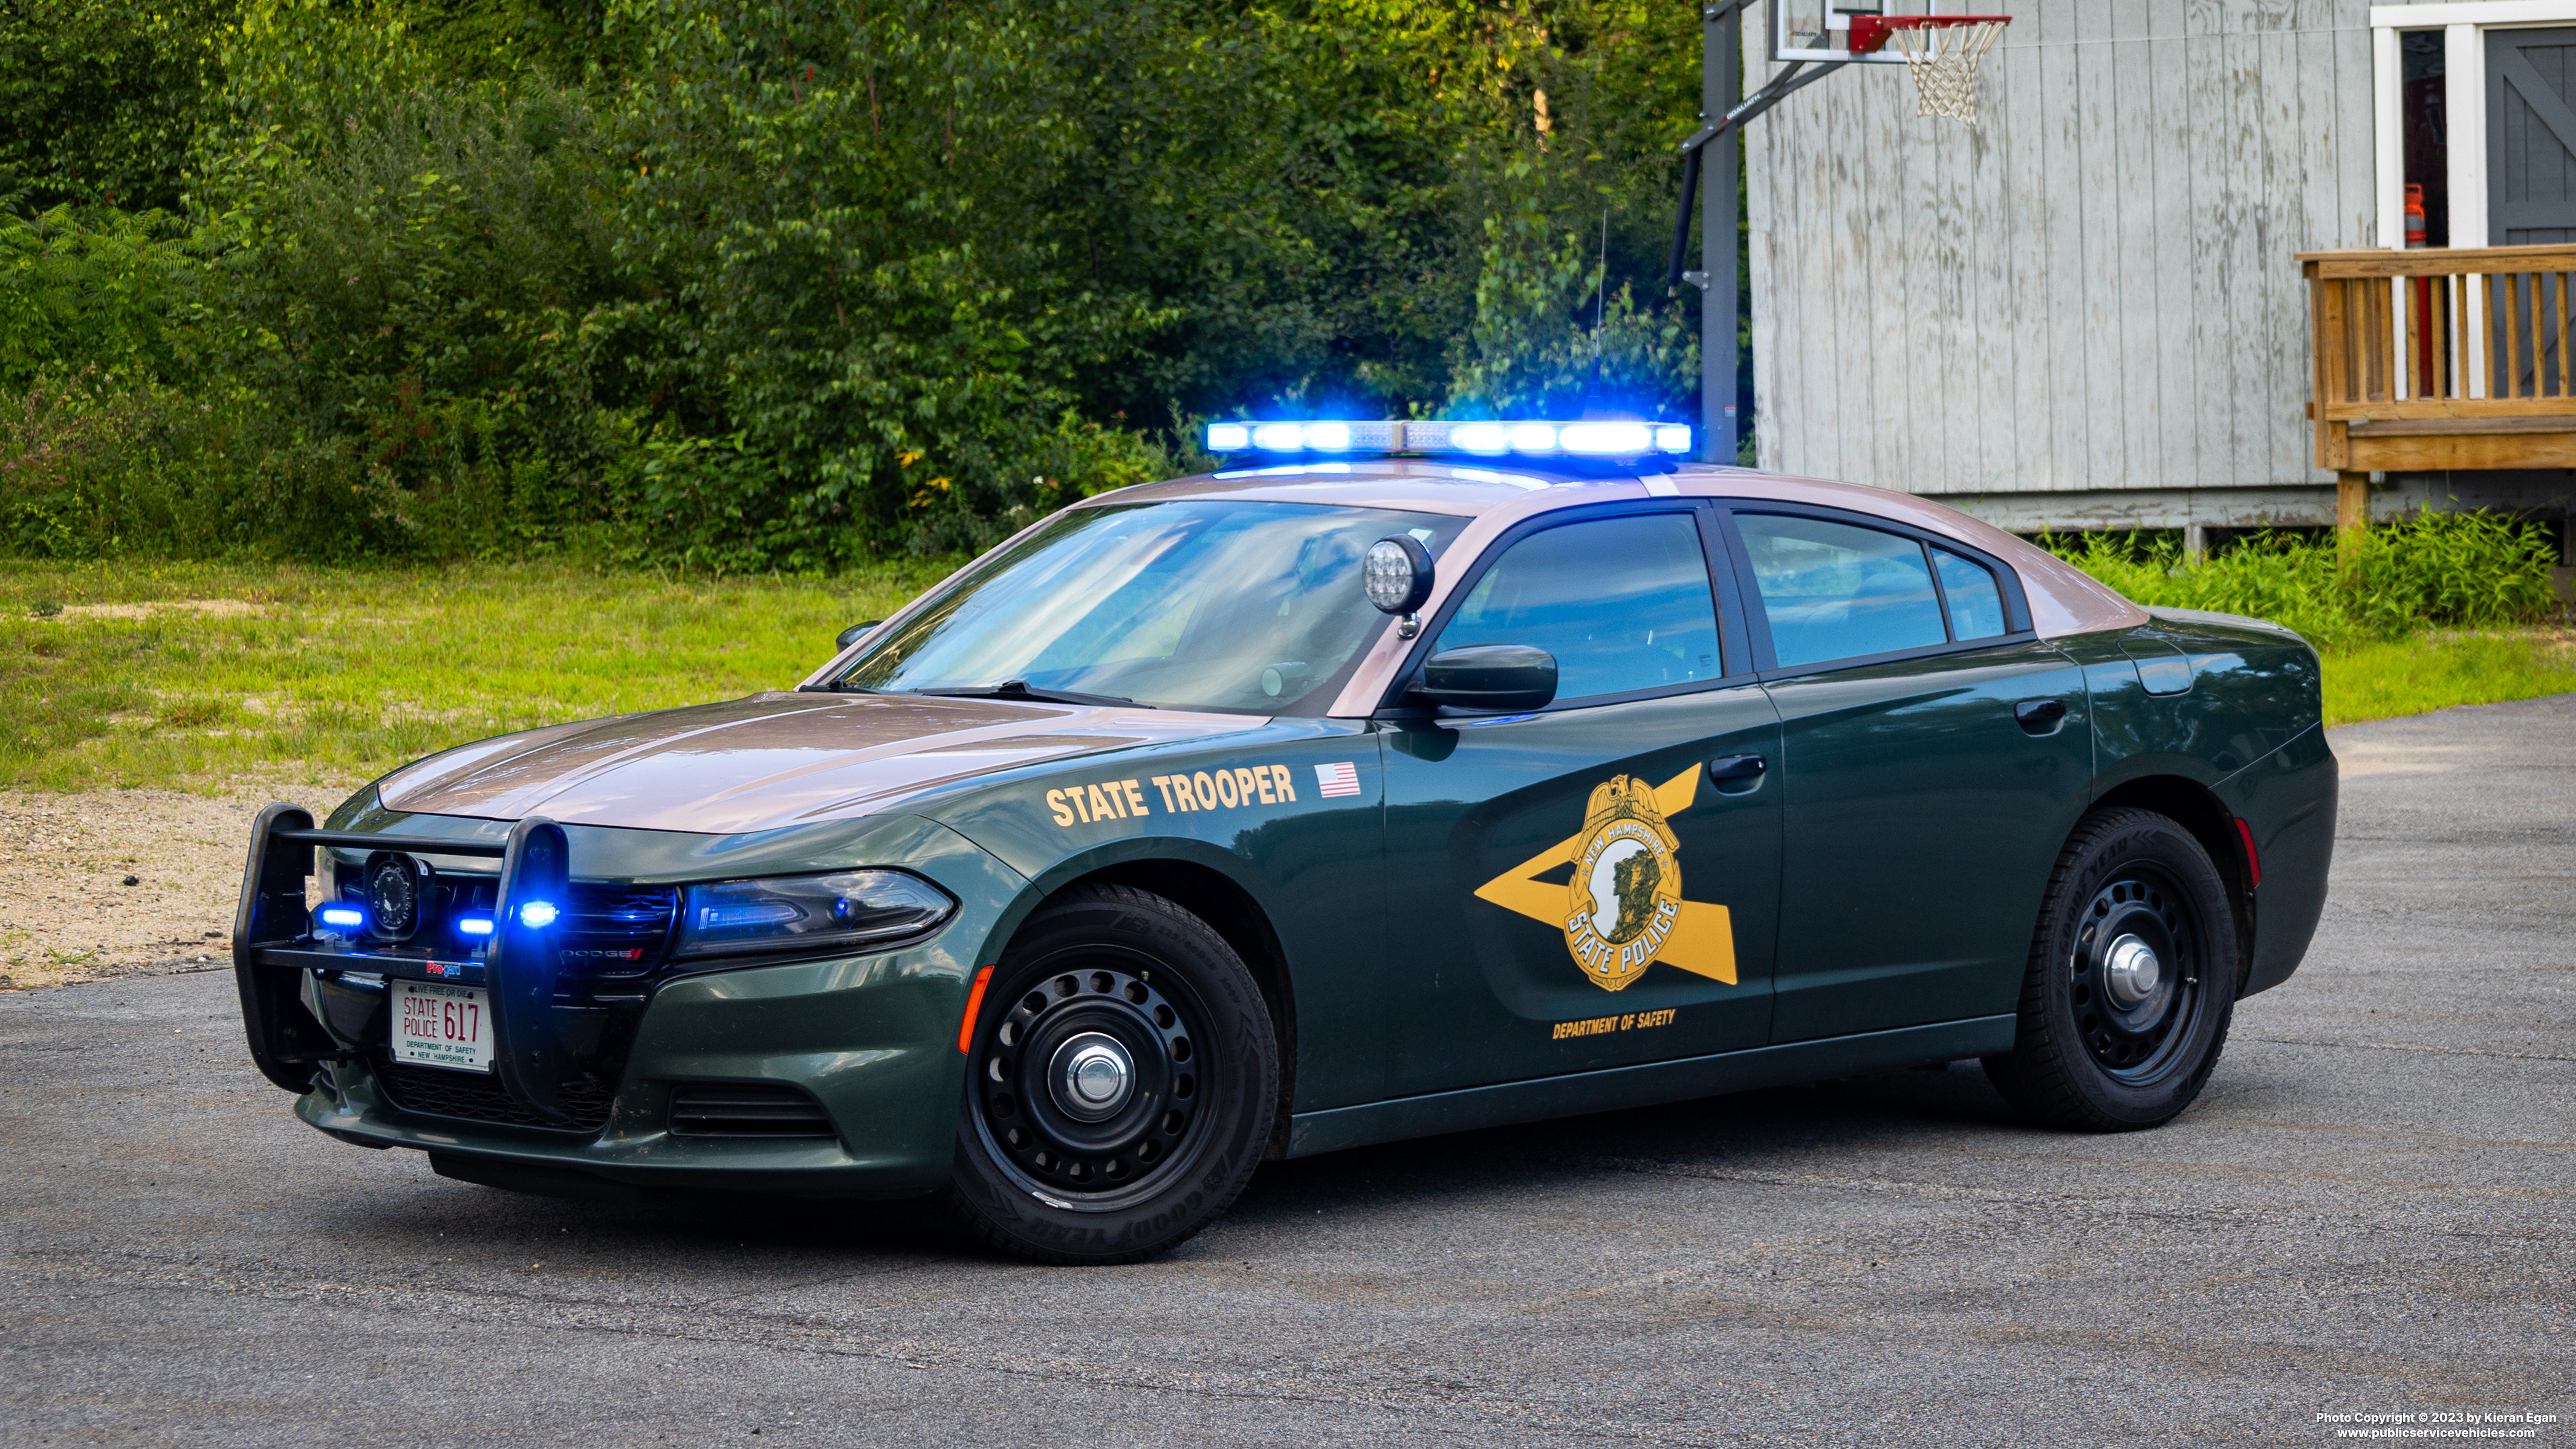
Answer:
(2439, 359)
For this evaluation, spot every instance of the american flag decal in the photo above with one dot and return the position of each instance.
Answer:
(1341, 779)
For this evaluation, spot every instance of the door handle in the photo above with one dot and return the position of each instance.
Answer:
(1736, 774)
(2039, 716)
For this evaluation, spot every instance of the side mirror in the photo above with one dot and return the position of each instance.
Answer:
(1396, 574)
(856, 632)
(1490, 676)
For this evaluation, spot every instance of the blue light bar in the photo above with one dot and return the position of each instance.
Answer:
(1606, 439)
(1529, 438)
(474, 925)
(537, 915)
(342, 918)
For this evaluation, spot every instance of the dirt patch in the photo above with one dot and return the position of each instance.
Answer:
(209, 608)
(66, 913)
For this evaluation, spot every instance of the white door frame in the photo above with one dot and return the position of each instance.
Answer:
(2464, 101)
(2463, 24)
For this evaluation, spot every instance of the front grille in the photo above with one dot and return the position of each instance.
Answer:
(606, 929)
(478, 1097)
(729, 1110)
(616, 930)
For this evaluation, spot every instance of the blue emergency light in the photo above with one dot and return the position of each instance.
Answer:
(1601, 439)
(341, 918)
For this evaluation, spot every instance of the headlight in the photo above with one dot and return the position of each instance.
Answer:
(844, 908)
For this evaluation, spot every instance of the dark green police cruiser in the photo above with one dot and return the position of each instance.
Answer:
(1404, 779)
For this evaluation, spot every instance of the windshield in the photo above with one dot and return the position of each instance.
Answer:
(1252, 607)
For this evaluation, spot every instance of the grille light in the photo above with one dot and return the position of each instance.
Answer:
(474, 925)
(537, 915)
(1530, 437)
(342, 918)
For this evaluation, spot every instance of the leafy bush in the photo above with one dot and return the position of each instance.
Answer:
(1550, 337)
(94, 287)
(99, 98)
(97, 466)
(758, 284)
(2429, 569)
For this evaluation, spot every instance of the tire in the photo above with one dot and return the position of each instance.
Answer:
(2097, 1048)
(1062, 1168)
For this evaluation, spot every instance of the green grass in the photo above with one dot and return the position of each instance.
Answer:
(355, 672)
(2383, 678)
(350, 673)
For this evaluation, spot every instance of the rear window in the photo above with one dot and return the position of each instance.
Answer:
(1976, 601)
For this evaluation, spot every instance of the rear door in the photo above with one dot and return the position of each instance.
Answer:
(1923, 811)
(1569, 889)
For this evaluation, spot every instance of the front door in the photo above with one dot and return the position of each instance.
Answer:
(1571, 888)
(2531, 137)
(1934, 758)
(2531, 195)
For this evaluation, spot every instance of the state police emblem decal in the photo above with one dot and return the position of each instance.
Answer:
(1622, 911)
(1626, 894)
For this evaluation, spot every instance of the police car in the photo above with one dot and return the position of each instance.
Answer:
(1403, 778)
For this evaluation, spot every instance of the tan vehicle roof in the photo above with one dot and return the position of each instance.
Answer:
(2063, 599)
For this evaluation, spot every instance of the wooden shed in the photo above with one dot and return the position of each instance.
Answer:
(2164, 281)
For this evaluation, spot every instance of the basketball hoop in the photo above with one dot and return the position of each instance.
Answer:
(1941, 51)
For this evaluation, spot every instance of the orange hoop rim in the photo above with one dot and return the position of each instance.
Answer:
(1870, 33)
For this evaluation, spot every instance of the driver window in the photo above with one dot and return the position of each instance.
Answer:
(1623, 604)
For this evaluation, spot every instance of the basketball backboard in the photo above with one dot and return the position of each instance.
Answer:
(1820, 30)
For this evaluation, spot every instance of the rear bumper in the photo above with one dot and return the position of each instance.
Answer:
(871, 1039)
(2287, 799)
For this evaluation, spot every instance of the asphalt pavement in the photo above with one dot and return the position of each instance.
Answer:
(2371, 1211)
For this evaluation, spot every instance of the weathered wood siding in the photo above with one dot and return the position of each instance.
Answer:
(2090, 290)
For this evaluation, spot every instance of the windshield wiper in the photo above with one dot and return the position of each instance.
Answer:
(1022, 689)
(836, 689)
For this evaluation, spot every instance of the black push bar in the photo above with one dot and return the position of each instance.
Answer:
(273, 928)
(416, 845)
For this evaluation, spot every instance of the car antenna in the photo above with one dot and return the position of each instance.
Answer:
(1600, 306)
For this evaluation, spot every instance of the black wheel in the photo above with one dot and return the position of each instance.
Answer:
(2131, 983)
(1121, 1083)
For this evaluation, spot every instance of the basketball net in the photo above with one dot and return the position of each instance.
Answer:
(1943, 60)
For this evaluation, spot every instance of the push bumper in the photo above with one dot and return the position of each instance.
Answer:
(610, 1080)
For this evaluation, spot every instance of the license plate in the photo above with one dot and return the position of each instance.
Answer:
(443, 1026)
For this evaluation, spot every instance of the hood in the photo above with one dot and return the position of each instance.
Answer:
(769, 761)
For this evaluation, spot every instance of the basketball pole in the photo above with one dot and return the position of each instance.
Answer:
(1709, 162)
(1721, 84)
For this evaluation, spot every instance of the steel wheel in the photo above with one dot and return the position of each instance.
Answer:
(1121, 1082)
(2131, 979)
(2134, 978)
(1087, 1087)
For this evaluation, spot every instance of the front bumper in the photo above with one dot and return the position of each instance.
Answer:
(868, 1039)
(871, 1039)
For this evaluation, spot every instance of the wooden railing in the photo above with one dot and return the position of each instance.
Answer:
(2440, 359)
